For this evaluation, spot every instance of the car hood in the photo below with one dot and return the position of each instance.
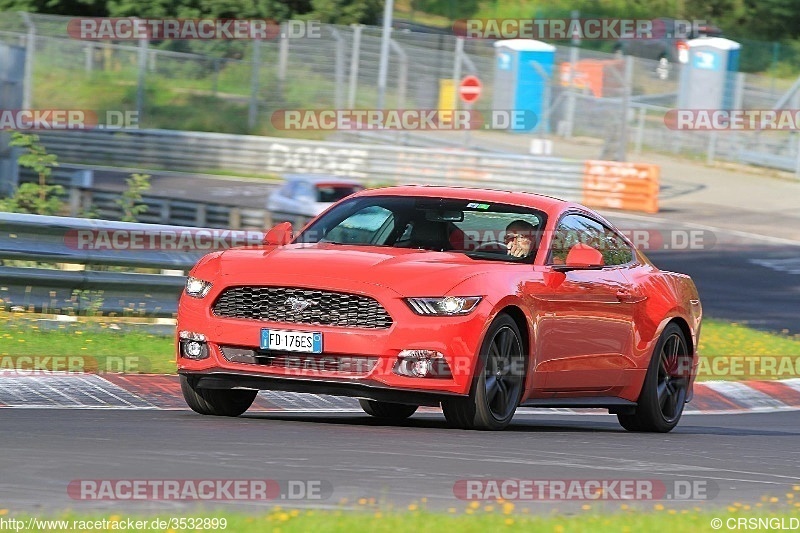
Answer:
(408, 272)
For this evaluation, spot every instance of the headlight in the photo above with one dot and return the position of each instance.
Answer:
(197, 287)
(447, 306)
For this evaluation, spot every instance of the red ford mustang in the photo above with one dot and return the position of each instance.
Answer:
(479, 301)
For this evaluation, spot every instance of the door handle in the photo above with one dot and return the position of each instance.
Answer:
(628, 297)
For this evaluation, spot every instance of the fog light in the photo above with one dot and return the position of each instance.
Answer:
(421, 367)
(422, 364)
(193, 349)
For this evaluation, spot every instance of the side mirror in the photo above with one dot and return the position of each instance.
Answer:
(279, 235)
(584, 256)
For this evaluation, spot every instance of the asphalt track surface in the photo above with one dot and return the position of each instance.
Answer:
(735, 458)
(743, 277)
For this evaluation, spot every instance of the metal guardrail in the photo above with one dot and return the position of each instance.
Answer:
(76, 243)
(82, 197)
(384, 164)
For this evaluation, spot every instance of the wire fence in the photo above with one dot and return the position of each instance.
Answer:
(235, 86)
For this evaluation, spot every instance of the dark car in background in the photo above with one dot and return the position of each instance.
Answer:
(668, 44)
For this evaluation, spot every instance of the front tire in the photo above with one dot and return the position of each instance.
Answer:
(387, 410)
(497, 384)
(666, 385)
(216, 402)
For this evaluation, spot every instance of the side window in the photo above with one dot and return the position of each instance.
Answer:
(290, 189)
(574, 229)
(304, 191)
(615, 251)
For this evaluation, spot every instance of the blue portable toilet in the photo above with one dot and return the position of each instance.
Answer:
(708, 79)
(522, 80)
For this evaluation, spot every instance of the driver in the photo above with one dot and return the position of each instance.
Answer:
(519, 238)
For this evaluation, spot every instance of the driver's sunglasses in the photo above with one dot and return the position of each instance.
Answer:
(513, 236)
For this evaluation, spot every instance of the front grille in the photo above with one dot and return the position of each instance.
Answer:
(325, 308)
(351, 364)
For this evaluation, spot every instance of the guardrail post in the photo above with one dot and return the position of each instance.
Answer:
(74, 201)
(165, 212)
(235, 218)
(201, 215)
(267, 219)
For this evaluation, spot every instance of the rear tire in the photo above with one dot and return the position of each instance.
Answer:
(665, 387)
(216, 402)
(387, 410)
(497, 383)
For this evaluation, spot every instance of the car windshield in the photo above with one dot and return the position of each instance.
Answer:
(327, 192)
(478, 229)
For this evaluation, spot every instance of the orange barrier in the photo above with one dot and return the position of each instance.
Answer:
(616, 185)
(601, 77)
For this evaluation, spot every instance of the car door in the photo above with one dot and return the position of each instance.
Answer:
(585, 317)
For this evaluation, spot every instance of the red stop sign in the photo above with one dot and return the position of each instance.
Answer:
(469, 89)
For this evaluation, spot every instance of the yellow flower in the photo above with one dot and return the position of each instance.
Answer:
(379, 515)
(558, 529)
(789, 496)
(489, 508)
(773, 500)
(3, 512)
(451, 510)
(474, 505)
(796, 488)
(508, 508)
(672, 511)
(413, 507)
(658, 507)
(283, 517)
(586, 506)
(509, 521)
(624, 507)
(294, 513)
(114, 518)
(362, 501)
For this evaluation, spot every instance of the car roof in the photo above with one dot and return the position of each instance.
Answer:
(320, 178)
(523, 199)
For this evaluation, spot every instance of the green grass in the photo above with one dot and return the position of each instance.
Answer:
(24, 334)
(473, 519)
(730, 338)
(92, 345)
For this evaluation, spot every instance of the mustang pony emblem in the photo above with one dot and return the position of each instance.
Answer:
(298, 305)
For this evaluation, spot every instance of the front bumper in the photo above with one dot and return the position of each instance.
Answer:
(364, 388)
(457, 338)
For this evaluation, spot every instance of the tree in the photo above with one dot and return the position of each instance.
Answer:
(346, 11)
(35, 198)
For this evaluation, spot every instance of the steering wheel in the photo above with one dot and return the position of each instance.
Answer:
(494, 246)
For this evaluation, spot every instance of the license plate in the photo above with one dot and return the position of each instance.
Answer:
(291, 341)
